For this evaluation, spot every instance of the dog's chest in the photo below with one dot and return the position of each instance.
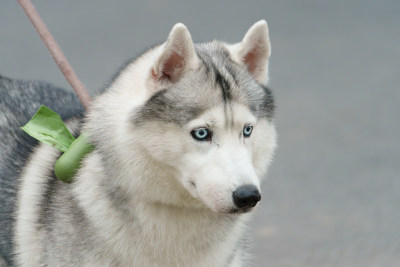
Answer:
(186, 240)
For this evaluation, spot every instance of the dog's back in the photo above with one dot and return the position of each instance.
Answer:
(19, 100)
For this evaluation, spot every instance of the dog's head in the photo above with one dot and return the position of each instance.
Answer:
(206, 115)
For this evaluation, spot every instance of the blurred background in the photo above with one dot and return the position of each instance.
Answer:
(332, 196)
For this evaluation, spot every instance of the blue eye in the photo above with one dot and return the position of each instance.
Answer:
(247, 130)
(201, 134)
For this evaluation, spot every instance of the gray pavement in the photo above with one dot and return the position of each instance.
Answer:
(332, 197)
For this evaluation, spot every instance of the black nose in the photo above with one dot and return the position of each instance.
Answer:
(246, 196)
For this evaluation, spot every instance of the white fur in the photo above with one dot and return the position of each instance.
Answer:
(179, 190)
(29, 243)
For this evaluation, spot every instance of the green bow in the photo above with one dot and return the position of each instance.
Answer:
(47, 127)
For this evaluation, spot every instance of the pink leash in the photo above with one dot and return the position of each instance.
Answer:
(56, 52)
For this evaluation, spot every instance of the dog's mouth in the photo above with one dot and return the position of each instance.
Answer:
(240, 211)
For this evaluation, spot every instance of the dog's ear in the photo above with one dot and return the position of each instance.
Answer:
(254, 51)
(176, 56)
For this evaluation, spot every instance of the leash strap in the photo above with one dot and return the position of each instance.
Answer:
(55, 52)
(46, 126)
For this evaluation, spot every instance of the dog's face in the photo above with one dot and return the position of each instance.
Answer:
(190, 124)
(209, 116)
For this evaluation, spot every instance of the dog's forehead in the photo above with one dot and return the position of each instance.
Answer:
(231, 82)
(218, 80)
(232, 115)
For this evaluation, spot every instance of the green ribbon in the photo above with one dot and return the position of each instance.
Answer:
(47, 127)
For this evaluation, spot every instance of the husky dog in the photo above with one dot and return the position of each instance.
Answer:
(182, 137)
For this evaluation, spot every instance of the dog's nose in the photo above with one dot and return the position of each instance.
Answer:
(246, 196)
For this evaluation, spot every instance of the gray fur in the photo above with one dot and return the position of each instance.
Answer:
(217, 80)
(19, 100)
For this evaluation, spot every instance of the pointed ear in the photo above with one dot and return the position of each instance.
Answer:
(254, 51)
(176, 56)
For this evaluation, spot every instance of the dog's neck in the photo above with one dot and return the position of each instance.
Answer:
(190, 231)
